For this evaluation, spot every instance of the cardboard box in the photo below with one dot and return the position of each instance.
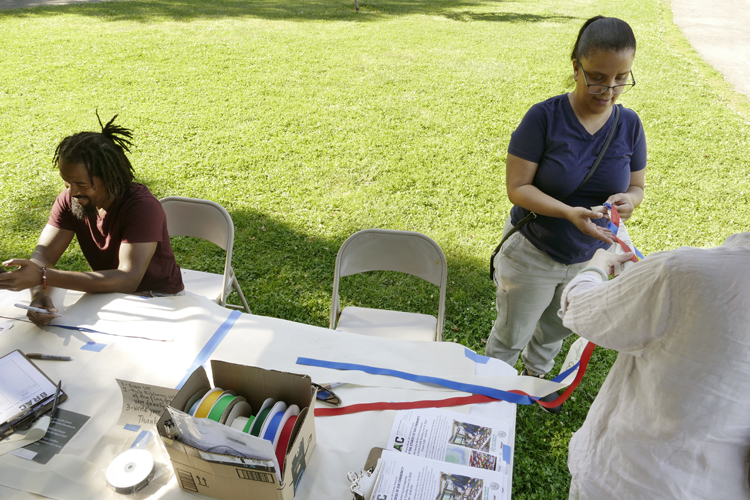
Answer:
(229, 478)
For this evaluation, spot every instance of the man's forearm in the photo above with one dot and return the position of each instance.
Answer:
(114, 280)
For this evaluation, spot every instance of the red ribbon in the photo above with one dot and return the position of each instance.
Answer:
(283, 443)
(458, 401)
(614, 216)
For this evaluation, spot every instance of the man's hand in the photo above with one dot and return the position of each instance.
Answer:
(623, 203)
(581, 217)
(606, 261)
(27, 275)
(43, 302)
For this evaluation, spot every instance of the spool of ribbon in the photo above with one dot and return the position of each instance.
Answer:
(260, 418)
(193, 401)
(272, 423)
(284, 439)
(221, 408)
(241, 408)
(243, 424)
(206, 402)
(291, 411)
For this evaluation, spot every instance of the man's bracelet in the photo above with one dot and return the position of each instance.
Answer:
(596, 270)
(44, 277)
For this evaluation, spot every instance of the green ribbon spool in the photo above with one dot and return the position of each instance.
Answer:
(218, 408)
(249, 424)
(259, 421)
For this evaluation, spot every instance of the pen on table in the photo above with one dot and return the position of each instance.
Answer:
(50, 357)
(332, 385)
(37, 309)
(57, 397)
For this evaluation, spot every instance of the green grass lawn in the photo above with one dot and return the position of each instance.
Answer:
(309, 121)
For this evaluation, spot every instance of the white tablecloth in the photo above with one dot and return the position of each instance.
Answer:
(343, 442)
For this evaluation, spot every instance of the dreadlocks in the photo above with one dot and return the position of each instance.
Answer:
(103, 153)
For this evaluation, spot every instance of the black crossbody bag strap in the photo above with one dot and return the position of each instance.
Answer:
(531, 216)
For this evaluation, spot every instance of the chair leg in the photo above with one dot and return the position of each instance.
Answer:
(236, 286)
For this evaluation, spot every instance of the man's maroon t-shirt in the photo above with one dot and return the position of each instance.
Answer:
(135, 217)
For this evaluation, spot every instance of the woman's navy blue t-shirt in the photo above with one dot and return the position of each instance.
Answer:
(551, 135)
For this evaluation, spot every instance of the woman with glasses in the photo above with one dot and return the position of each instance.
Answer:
(550, 154)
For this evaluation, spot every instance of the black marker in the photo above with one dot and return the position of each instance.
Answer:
(51, 357)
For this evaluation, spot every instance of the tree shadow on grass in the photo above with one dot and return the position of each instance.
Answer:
(309, 10)
(288, 273)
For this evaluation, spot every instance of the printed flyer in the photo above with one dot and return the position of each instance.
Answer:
(453, 437)
(407, 477)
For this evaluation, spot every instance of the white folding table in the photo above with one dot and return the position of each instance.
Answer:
(201, 330)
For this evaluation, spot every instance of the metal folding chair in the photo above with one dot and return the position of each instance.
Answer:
(388, 250)
(209, 221)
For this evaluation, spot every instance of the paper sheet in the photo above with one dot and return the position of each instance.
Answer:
(143, 404)
(132, 316)
(414, 478)
(62, 428)
(22, 385)
(19, 439)
(215, 438)
(449, 436)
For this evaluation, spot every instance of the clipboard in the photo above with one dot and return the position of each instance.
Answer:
(26, 392)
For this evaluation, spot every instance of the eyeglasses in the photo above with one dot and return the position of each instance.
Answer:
(326, 395)
(600, 89)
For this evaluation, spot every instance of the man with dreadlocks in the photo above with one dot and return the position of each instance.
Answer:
(120, 226)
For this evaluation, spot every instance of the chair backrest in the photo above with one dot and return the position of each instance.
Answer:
(201, 219)
(388, 250)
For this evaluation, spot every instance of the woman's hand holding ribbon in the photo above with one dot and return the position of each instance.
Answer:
(581, 217)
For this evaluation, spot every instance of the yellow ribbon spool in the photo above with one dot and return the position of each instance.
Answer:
(207, 402)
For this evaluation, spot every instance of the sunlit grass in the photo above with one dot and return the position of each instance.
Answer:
(309, 121)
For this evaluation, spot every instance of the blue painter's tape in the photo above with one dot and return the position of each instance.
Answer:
(211, 345)
(93, 346)
(477, 358)
(131, 427)
(142, 440)
(507, 453)
(458, 386)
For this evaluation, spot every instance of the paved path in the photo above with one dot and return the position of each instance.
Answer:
(719, 30)
(18, 4)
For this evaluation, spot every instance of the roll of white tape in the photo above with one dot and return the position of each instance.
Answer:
(130, 471)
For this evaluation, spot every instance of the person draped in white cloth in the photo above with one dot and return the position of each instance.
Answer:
(672, 419)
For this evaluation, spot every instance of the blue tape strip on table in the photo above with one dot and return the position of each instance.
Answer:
(477, 358)
(132, 427)
(211, 345)
(144, 436)
(457, 386)
(93, 346)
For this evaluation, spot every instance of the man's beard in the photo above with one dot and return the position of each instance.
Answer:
(82, 211)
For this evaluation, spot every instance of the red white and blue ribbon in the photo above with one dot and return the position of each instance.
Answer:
(481, 394)
(614, 225)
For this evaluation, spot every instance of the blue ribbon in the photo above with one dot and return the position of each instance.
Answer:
(273, 426)
(211, 345)
(450, 384)
(458, 386)
(611, 226)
